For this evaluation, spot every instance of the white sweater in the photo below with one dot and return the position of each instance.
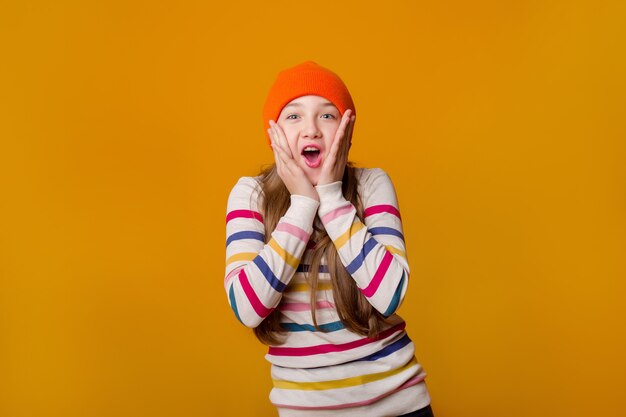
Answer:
(334, 371)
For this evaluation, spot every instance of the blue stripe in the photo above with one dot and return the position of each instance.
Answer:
(385, 231)
(277, 284)
(395, 300)
(233, 302)
(388, 350)
(358, 261)
(246, 234)
(328, 327)
(307, 268)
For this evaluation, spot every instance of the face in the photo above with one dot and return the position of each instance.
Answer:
(310, 124)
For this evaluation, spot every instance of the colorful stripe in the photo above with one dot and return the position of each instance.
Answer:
(358, 261)
(396, 251)
(354, 227)
(386, 231)
(411, 382)
(233, 303)
(378, 276)
(305, 306)
(242, 256)
(231, 273)
(246, 234)
(273, 280)
(345, 382)
(382, 208)
(337, 212)
(328, 348)
(245, 214)
(388, 350)
(257, 305)
(395, 300)
(327, 327)
(293, 230)
(286, 256)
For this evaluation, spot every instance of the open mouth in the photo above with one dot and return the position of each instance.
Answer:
(312, 156)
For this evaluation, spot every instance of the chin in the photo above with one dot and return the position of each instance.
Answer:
(314, 180)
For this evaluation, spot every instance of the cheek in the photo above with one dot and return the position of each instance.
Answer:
(329, 136)
(331, 131)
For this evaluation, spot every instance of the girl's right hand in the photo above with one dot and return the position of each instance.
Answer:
(288, 169)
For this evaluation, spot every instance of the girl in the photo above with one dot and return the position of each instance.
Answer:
(316, 263)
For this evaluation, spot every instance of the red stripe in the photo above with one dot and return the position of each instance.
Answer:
(319, 349)
(382, 208)
(258, 306)
(379, 275)
(249, 214)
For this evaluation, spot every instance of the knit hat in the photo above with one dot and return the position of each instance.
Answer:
(305, 79)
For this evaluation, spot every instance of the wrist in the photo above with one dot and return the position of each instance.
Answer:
(309, 194)
(330, 195)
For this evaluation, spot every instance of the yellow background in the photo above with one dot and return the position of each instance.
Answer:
(123, 126)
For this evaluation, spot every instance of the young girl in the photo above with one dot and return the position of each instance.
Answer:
(316, 263)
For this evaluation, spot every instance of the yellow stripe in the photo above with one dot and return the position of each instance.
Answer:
(323, 286)
(342, 383)
(243, 256)
(289, 258)
(355, 227)
(397, 251)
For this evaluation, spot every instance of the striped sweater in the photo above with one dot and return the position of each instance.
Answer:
(333, 371)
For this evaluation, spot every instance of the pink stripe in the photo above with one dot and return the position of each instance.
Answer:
(336, 213)
(383, 208)
(379, 275)
(258, 306)
(327, 348)
(248, 214)
(231, 273)
(305, 306)
(293, 230)
(413, 381)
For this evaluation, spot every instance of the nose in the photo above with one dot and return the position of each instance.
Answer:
(311, 129)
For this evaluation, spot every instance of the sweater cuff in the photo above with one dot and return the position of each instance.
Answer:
(331, 197)
(302, 211)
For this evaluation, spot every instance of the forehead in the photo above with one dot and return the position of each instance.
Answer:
(310, 101)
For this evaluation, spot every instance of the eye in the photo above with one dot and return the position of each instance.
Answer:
(330, 116)
(291, 116)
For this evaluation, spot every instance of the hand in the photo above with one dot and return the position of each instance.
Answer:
(335, 164)
(289, 171)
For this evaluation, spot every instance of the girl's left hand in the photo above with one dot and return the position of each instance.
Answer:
(335, 164)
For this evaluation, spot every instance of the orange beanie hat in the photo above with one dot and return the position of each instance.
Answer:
(305, 79)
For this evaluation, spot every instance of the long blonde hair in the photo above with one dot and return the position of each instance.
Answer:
(355, 312)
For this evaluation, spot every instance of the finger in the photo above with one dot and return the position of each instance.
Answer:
(339, 138)
(347, 141)
(281, 137)
(341, 131)
(273, 143)
(279, 154)
(277, 160)
(287, 164)
(351, 128)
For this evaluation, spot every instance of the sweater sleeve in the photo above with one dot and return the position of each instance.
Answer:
(257, 273)
(373, 251)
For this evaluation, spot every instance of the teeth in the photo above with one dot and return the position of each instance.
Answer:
(310, 148)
